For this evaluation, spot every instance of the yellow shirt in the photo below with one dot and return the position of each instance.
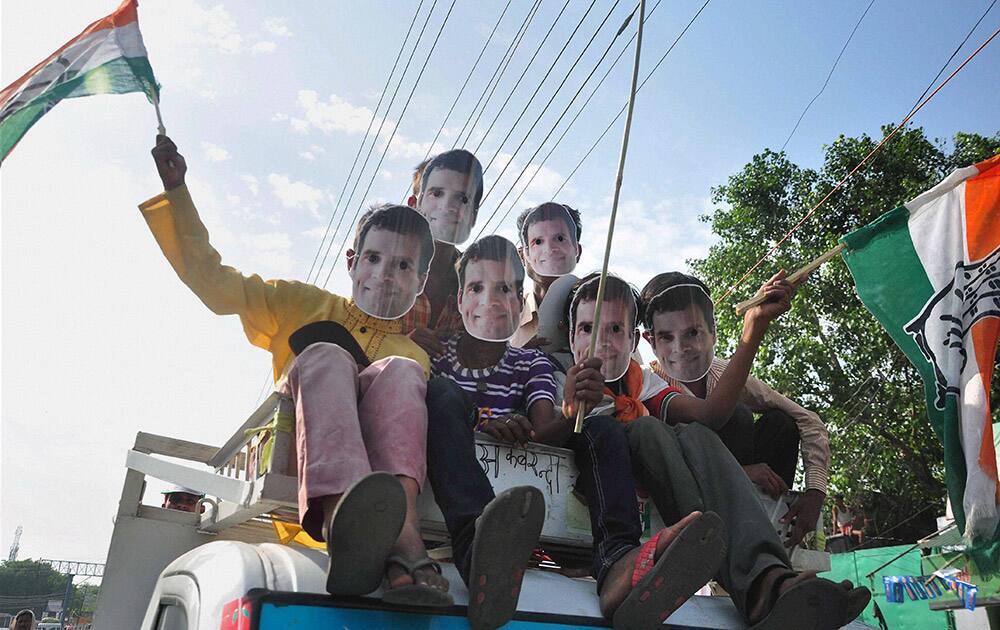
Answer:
(269, 310)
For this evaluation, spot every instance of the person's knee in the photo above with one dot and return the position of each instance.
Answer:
(606, 432)
(740, 420)
(404, 368)
(701, 437)
(645, 429)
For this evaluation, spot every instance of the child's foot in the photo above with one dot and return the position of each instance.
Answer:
(415, 582)
(361, 531)
(506, 535)
(649, 583)
(783, 598)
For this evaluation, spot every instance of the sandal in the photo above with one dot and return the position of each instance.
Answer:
(688, 563)
(506, 535)
(416, 594)
(813, 603)
(361, 532)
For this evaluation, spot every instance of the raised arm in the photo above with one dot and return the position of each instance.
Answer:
(715, 410)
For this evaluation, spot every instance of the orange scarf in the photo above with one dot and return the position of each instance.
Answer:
(628, 407)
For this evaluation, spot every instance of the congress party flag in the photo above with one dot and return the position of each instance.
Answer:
(108, 57)
(930, 273)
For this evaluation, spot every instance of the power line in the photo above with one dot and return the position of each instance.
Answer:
(551, 100)
(952, 57)
(498, 72)
(622, 111)
(517, 81)
(830, 74)
(388, 143)
(475, 65)
(364, 139)
(858, 167)
(378, 133)
(572, 122)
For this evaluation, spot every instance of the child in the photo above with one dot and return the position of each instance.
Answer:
(549, 233)
(639, 586)
(435, 313)
(351, 419)
(451, 188)
(486, 385)
(687, 467)
(680, 325)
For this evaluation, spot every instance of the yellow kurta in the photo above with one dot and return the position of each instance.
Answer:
(269, 310)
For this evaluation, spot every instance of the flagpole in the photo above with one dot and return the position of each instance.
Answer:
(795, 279)
(160, 129)
(614, 205)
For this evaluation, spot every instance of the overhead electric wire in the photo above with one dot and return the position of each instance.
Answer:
(551, 99)
(622, 111)
(828, 76)
(953, 54)
(517, 81)
(565, 111)
(571, 123)
(475, 65)
(498, 72)
(378, 133)
(364, 139)
(388, 143)
(858, 167)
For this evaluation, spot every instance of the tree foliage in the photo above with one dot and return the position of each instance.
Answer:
(29, 584)
(829, 352)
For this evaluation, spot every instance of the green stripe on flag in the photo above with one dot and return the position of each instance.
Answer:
(118, 76)
(893, 285)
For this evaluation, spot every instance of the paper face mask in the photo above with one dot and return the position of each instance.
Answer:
(617, 335)
(450, 191)
(550, 240)
(390, 262)
(491, 279)
(684, 332)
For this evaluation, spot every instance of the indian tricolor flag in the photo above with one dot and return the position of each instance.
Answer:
(108, 57)
(930, 272)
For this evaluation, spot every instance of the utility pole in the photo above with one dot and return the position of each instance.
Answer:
(15, 546)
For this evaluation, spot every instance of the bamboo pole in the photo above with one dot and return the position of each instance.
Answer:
(581, 412)
(796, 278)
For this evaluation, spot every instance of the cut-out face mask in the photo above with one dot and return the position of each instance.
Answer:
(617, 336)
(683, 332)
(389, 265)
(450, 191)
(551, 243)
(490, 299)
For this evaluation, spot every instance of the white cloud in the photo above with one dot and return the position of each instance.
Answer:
(217, 29)
(234, 200)
(278, 26)
(295, 194)
(332, 114)
(316, 233)
(252, 183)
(264, 47)
(214, 153)
(271, 252)
(279, 117)
(307, 155)
(316, 149)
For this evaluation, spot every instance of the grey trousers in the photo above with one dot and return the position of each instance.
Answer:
(687, 468)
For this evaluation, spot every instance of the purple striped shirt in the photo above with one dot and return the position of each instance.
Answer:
(521, 378)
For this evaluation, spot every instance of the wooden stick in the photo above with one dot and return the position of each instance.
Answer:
(614, 205)
(796, 279)
(160, 129)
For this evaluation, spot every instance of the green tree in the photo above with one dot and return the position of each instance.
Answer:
(829, 352)
(29, 584)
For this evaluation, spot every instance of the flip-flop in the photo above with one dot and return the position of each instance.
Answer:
(815, 603)
(506, 535)
(416, 594)
(687, 564)
(361, 533)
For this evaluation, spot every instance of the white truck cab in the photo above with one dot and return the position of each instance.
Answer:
(223, 569)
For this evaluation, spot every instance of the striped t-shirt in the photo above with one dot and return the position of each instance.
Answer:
(520, 379)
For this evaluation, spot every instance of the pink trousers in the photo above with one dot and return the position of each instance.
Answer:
(350, 423)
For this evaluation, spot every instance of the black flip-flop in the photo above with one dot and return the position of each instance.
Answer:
(328, 332)
(416, 594)
(687, 564)
(506, 536)
(361, 533)
(816, 603)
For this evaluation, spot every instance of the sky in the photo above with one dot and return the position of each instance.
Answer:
(269, 104)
